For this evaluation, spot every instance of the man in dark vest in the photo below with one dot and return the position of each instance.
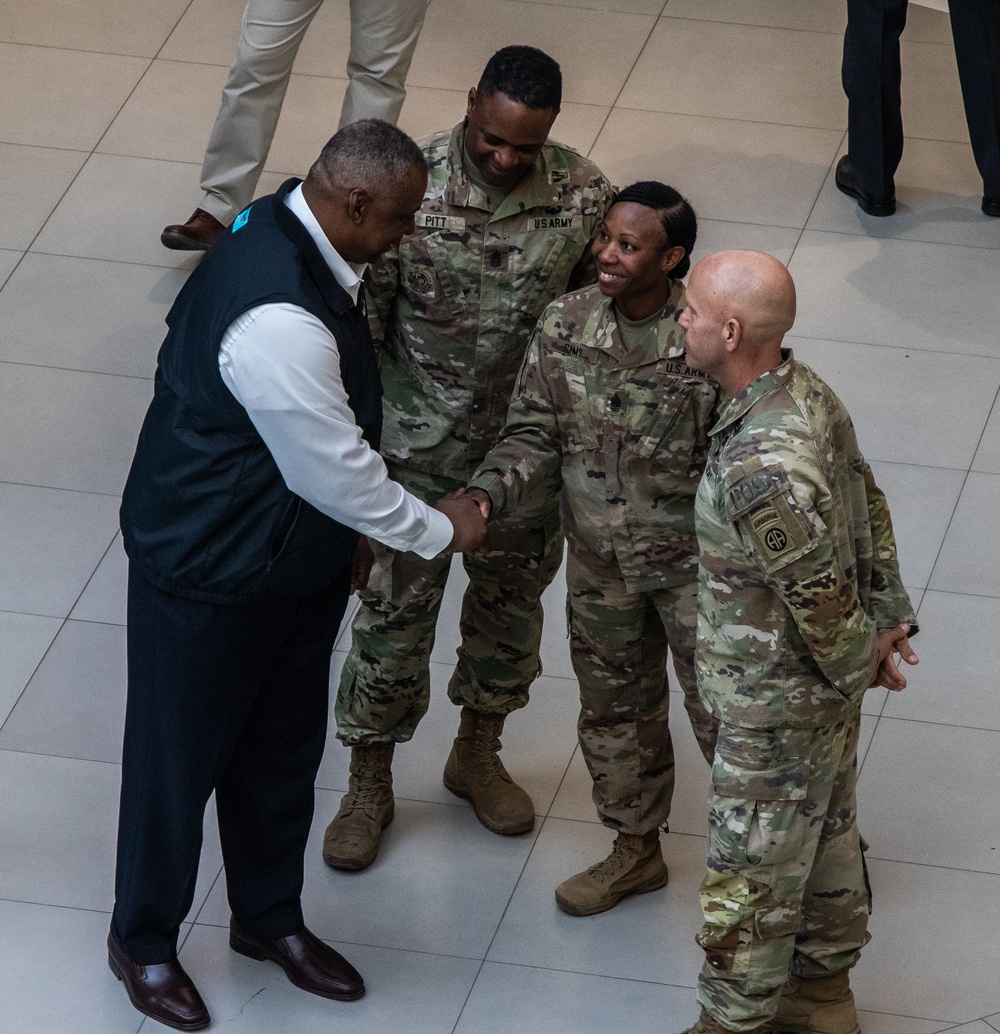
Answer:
(255, 471)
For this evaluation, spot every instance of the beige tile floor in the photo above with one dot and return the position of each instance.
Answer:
(104, 113)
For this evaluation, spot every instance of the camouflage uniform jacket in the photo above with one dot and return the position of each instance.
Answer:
(798, 559)
(454, 306)
(627, 432)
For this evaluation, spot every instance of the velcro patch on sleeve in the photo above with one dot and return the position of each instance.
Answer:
(777, 532)
(758, 484)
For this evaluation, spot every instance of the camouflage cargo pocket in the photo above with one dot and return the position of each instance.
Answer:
(576, 423)
(428, 279)
(759, 783)
(541, 268)
(676, 455)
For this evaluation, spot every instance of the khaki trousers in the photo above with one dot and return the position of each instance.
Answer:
(384, 35)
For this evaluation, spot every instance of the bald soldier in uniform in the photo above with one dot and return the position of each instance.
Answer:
(801, 609)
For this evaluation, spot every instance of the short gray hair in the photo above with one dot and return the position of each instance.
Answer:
(368, 154)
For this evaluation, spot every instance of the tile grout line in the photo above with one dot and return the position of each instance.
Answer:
(901, 348)
(621, 89)
(812, 207)
(961, 492)
(107, 128)
(55, 488)
(62, 625)
(930, 578)
(76, 369)
(120, 262)
(517, 883)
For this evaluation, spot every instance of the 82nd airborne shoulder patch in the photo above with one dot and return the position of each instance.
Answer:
(760, 503)
(778, 533)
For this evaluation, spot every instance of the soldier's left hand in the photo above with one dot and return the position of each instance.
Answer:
(892, 641)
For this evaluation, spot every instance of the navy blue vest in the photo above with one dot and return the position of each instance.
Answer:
(206, 513)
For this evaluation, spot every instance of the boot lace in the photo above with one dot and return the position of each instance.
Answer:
(484, 751)
(366, 798)
(606, 870)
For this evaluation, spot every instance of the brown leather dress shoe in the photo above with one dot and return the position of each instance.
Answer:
(308, 962)
(199, 233)
(163, 992)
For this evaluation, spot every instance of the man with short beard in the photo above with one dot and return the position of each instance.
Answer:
(800, 610)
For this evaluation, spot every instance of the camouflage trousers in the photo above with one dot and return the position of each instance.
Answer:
(385, 683)
(786, 890)
(618, 645)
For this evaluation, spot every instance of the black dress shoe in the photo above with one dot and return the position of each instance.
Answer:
(199, 233)
(163, 992)
(991, 206)
(847, 184)
(308, 962)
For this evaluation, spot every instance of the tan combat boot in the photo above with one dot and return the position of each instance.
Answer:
(351, 839)
(474, 770)
(817, 1005)
(708, 1024)
(634, 866)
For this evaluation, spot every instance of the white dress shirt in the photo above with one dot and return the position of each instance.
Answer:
(296, 399)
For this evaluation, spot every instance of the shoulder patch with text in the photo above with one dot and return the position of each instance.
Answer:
(754, 487)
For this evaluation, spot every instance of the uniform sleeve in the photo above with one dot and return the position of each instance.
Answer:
(381, 285)
(282, 365)
(529, 445)
(585, 272)
(889, 603)
(783, 528)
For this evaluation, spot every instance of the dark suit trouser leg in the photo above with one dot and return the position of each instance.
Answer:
(231, 698)
(871, 77)
(975, 25)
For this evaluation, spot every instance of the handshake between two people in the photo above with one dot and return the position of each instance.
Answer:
(468, 510)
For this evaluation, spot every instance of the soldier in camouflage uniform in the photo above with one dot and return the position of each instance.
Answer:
(506, 226)
(607, 406)
(801, 609)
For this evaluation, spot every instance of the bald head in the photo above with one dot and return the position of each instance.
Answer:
(740, 306)
(755, 289)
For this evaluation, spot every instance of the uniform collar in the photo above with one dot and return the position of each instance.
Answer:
(601, 331)
(742, 403)
(536, 189)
